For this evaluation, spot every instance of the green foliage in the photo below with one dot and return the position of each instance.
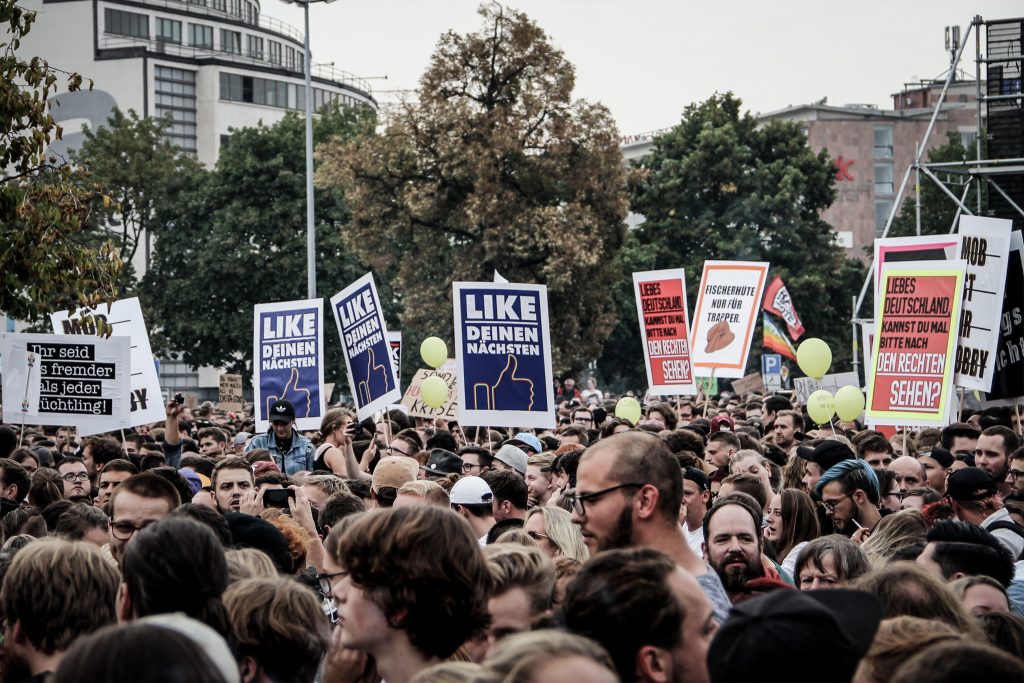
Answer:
(236, 237)
(494, 167)
(139, 170)
(720, 186)
(47, 259)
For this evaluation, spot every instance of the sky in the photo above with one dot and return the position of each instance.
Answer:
(646, 60)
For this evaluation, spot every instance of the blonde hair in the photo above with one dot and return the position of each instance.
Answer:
(430, 491)
(249, 563)
(894, 533)
(517, 536)
(562, 533)
(517, 658)
(451, 672)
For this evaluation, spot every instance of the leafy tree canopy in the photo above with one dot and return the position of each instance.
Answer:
(495, 167)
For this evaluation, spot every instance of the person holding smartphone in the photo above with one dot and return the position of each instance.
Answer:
(337, 430)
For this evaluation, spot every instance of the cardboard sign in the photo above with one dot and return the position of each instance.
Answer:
(771, 371)
(664, 328)
(1008, 376)
(728, 302)
(123, 318)
(984, 243)
(230, 395)
(395, 347)
(805, 386)
(503, 352)
(415, 405)
(778, 302)
(749, 384)
(288, 360)
(364, 342)
(915, 343)
(84, 381)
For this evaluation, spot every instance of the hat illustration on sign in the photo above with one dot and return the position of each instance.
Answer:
(719, 337)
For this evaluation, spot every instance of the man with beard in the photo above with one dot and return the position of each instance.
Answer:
(992, 454)
(76, 480)
(232, 480)
(732, 541)
(850, 494)
(629, 489)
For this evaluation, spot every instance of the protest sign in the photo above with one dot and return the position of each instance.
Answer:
(84, 382)
(867, 338)
(122, 318)
(895, 250)
(728, 302)
(288, 360)
(984, 243)
(415, 405)
(503, 355)
(664, 329)
(915, 342)
(395, 347)
(749, 384)
(230, 395)
(365, 346)
(707, 386)
(771, 371)
(805, 386)
(778, 302)
(1008, 377)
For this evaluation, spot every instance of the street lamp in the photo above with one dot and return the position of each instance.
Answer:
(310, 223)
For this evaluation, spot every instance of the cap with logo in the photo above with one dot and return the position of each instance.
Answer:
(471, 491)
(282, 411)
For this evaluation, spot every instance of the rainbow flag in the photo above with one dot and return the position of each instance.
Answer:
(775, 340)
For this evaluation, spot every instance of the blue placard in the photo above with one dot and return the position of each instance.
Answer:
(364, 340)
(503, 352)
(288, 360)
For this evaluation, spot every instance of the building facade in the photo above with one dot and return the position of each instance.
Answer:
(210, 65)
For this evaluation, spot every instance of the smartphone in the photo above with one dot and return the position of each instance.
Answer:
(179, 398)
(277, 498)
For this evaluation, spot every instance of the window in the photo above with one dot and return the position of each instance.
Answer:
(200, 35)
(220, 5)
(882, 209)
(252, 16)
(176, 100)
(126, 23)
(255, 47)
(273, 52)
(883, 179)
(967, 137)
(230, 41)
(198, 2)
(235, 7)
(168, 30)
(883, 142)
(290, 53)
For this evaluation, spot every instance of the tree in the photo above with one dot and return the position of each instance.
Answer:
(138, 169)
(236, 236)
(46, 262)
(495, 167)
(719, 185)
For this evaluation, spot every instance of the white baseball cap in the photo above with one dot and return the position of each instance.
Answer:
(471, 491)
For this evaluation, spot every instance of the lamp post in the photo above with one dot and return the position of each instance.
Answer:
(310, 222)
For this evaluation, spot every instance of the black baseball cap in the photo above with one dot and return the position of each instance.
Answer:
(827, 454)
(970, 483)
(698, 477)
(282, 411)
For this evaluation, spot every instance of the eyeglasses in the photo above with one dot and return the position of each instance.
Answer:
(830, 505)
(578, 500)
(1016, 474)
(122, 531)
(391, 450)
(468, 466)
(72, 477)
(324, 582)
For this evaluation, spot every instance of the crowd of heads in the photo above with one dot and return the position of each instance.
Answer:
(723, 539)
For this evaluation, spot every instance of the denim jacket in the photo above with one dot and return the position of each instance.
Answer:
(299, 456)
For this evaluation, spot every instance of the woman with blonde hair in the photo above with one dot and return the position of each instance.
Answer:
(555, 533)
(899, 536)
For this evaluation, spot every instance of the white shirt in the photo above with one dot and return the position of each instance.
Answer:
(1012, 541)
(695, 539)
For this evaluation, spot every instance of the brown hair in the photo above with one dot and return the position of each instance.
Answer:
(59, 591)
(960, 660)
(517, 658)
(146, 485)
(278, 623)
(906, 589)
(249, 563)
(895, 641)
(894, 533)
(799, 520)
(233, 463)
(518, 566)
(423, 567)
(46, 487)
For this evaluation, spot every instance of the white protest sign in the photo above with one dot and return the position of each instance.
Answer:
(728, 303)
(805, 386)
(984, 243)
(52, 379)
(125, 320)
(395, 347)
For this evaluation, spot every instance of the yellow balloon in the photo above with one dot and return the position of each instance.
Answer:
(434, 391)
(821, 407)
(849, 403)
(814, 357)
(628, 408)
(434, 351)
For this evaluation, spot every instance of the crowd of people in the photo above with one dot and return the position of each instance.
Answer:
(726, 539)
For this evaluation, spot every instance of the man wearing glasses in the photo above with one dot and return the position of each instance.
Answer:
(135, 504)
(77, 488)
(629, 490)
(475, 460)
(850, 493)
